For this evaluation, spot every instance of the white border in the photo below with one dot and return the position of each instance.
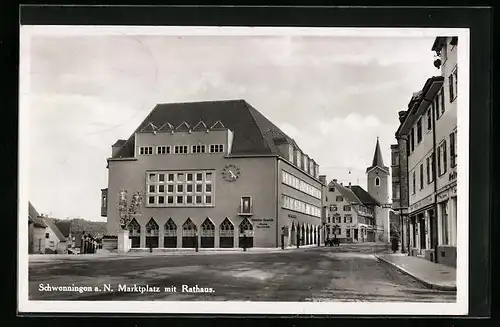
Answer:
(233, 307)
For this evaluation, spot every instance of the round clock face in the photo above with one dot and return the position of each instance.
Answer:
(231, 173)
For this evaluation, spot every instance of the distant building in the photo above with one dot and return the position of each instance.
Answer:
(215, 174)
(55, 242)
(36, 231)
(351, 213)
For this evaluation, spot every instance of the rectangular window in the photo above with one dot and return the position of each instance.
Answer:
(47, 235)
(170, 199)
(180, 177)
(170, 177)
(161, 200)
(421, 176)
(162, 149)
(441, 96)
(445, 162)
(199, 188)
(433, 169)
(189, 177)
(180, 188)
(413, 184)
(161, 177)
(189, 188)
(199, 177)
(152, 177)
(208, 177)
(198, 199)
(170, 188)
(216, 148)
(453, 154)
(439, 169)
(151, 188)
(455, 80)
(208, 199)
(437, 105)
(348, 233)
(208, 188)
(412, 139)
(180, 149)
(198, 148)
(339, 198)
(419, 130)
(146, 150)
(444, 224)
(151, 200)
(161, 188)
(451, 87)
(189, 199)
(180, 199)
(428, 169)
(347, 208)
(429, 119)
(333, 207)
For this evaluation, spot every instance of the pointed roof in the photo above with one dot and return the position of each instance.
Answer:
(217, 124)
(253, 132)
(377, 158)
(201, 126)
(34, 217)
(183, 127)
(166, 127)
(363, 195)
(150, 127)
(345, 191)
(50, 224)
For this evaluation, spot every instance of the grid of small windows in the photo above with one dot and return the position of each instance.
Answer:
(297, 183)
(216, 148)
(180, 149)
(146, 150)
(299, 206)
(185, 189)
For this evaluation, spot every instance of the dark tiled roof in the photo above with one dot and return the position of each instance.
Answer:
(364, 196)
(64, 227)
(346, 192)
(119, 143)
(50, 223)
(253, 133)
(34, 216)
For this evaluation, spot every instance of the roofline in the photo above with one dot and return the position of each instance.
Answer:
(425, 90)
(438, 43)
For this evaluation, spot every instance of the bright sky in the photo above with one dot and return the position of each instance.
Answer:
(333, 95)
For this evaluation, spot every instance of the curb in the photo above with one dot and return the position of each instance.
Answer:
(423, 281)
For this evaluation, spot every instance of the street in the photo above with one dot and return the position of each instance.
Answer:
(345, 273)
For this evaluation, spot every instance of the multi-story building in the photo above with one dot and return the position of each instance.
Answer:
(36, 231)
(424, 163)
(446, 151)
(351, 213)
(214, 174)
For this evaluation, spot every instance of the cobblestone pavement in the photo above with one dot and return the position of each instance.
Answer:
(345, 273)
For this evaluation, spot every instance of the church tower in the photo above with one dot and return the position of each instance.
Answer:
(378, 187)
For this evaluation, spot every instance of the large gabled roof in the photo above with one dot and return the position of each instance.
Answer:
(34, 216)
(345, 191)
(364, 196)
(254, 134)
(50, 223)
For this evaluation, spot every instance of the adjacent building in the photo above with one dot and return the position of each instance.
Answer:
(424, 163)
(36, 231)
(216, 174)
(55, 242)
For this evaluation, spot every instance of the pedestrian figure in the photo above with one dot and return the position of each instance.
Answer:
(394, 244)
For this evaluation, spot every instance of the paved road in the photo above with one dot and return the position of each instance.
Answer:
(346, 273)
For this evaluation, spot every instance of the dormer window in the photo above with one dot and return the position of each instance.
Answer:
(377, 181)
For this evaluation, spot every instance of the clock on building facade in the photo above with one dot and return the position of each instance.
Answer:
(231, 173)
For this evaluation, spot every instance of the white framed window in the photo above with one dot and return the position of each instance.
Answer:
(300, 206)
(145, 150)
(163, 149)
(300, 185)
(216, 148)
(167, 189)
(442, 159)
(453, 149)
(198, 148)
(180, 149)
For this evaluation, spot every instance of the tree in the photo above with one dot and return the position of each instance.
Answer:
(127, 210)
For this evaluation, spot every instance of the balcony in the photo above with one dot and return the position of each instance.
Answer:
(245, 211)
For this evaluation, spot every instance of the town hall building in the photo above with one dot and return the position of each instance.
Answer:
(216, 174)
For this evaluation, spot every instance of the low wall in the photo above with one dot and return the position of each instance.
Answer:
(447, 255)
(110, 244)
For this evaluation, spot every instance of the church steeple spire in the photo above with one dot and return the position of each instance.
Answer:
(377, 158)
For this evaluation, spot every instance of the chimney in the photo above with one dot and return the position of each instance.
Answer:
(402, 115)
(341, 184)
(349, 183)
(322, 179)
(335, 180)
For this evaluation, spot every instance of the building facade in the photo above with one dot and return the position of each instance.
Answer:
(424, 163)
(446, 151)
(36, 231)
(351, 213)
(214, 174)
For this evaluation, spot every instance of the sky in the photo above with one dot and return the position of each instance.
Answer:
(333, 95)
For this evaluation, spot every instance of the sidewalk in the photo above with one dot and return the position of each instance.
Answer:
(433, 275)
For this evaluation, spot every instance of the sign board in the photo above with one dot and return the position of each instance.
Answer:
(262, 222)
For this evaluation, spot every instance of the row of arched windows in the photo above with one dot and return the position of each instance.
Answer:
(189, 228)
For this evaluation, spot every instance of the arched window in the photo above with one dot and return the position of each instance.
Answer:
(170, 228)
(246, 227)
(189, 228)
(134, 228)
(207, 228)
(152, 228)
(377, 181)
(226, 228)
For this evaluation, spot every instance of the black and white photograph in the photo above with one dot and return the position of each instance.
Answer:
(243, 170)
